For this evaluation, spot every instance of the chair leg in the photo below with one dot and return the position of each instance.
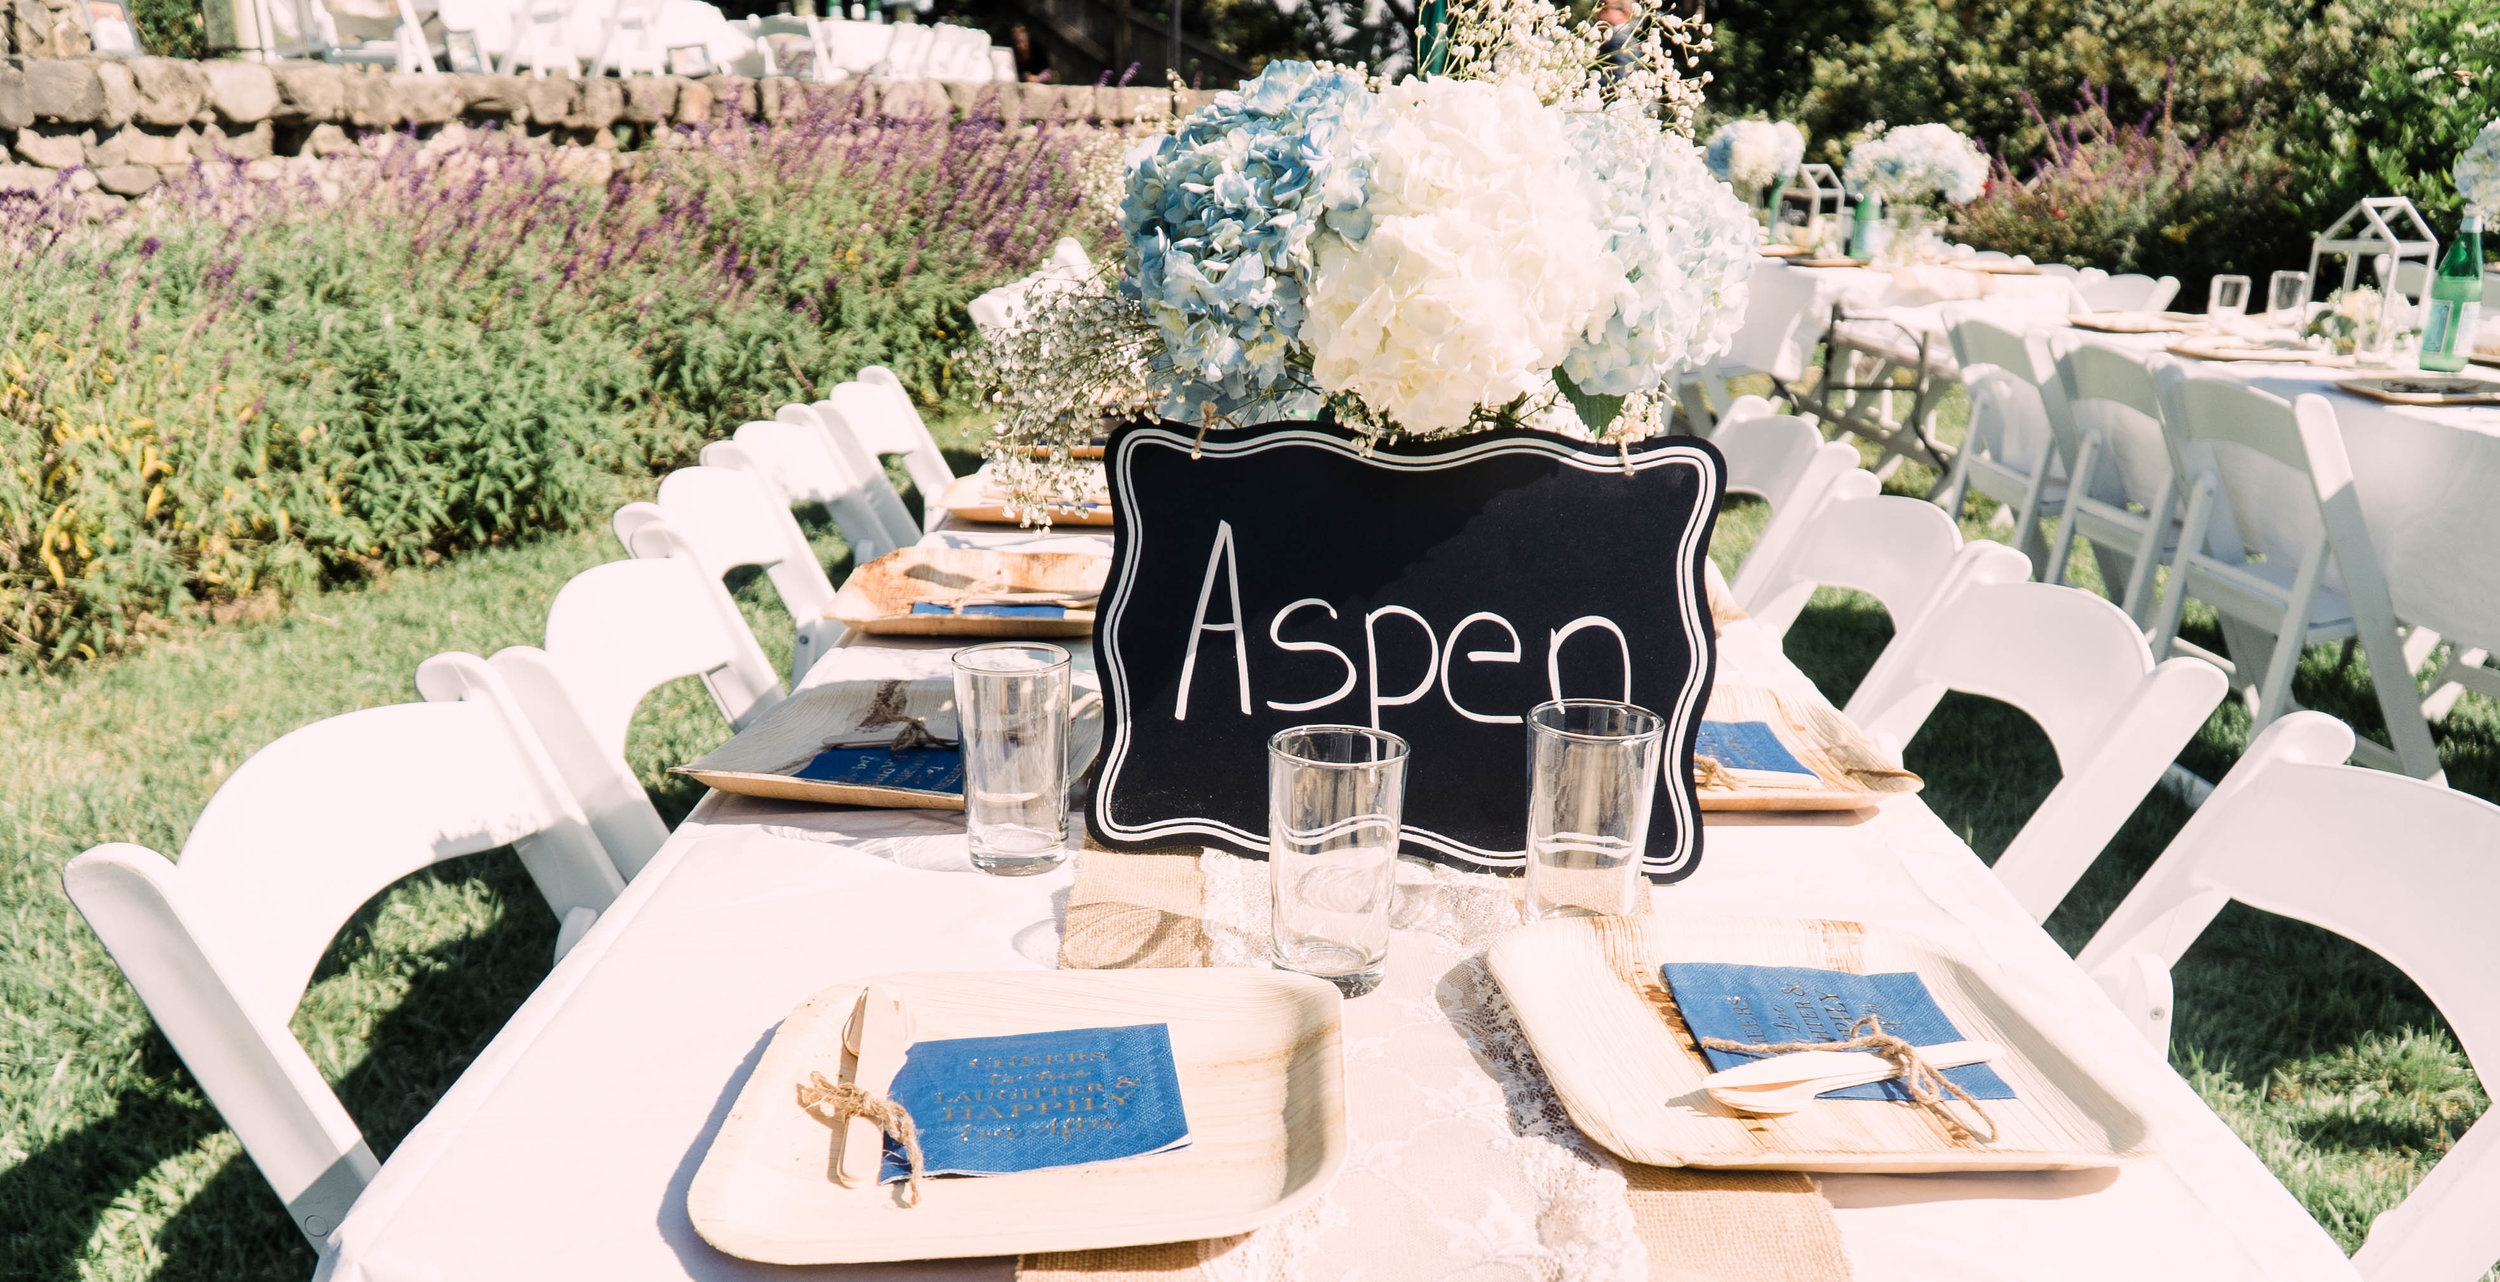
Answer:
(2027, 522)
(2174, 598)
(2138, 596)
(2078, 484)
(2289, 634)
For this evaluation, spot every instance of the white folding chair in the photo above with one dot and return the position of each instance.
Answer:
(222, 945)
(2282, 834)
(1785, 310)
(2011, 453)
(799, 460)
(2271, 482)
(907, 57)
(873, 491)
(2122, 486)
(542, 39)
(1784, 459)
(1002, 309)
(1897, 550)
(2132, 292)
(629, 41)
(726, 518)
(879, 417)
(2073, 663)
(615, 633)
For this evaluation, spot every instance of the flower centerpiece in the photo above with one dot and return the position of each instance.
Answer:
(1755, 156)
(1909, 166)
(1530, 238)
(2478, 173)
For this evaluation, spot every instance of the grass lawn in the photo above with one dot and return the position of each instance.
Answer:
(112, 1165)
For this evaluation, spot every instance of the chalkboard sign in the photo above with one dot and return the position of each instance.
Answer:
(1283, 575)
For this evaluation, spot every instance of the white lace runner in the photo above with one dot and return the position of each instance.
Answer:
(1463, 1164)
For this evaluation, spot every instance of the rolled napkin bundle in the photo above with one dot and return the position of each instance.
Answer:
(1738, 1014)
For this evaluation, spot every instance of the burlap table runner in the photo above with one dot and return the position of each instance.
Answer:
(1698, 1226)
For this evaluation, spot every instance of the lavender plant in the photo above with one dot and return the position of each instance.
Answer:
(2137, 198)
(246, 386)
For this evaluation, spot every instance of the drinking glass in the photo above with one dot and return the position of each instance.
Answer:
(2227, 297)
(1592, 776)
(1012, 700)
(1334, 796)
(2287, 296)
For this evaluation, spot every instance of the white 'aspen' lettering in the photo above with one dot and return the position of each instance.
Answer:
(1449, 663)
(1554, 645)
(1371, 659)
(1198, 624)
(1275, 633)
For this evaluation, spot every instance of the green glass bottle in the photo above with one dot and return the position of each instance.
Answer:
(1870, 211)
(2456, 302)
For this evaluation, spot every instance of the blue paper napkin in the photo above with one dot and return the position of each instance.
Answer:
(1747, 745)
(997, 611)
(998, 1105)
(1771, 1004)
(938, 770)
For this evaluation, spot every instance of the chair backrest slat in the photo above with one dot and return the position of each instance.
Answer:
(2078, 667)
(1897, 550)
(221, 945)
(2281, 833)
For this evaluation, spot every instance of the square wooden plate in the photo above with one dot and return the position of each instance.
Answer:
(2137, 322)
(758, 761)
(2425, 389)
(1589, 998)
(2283, 352)
(1262, 1072)
(1855, 773)
(974, 498)
(878, 597)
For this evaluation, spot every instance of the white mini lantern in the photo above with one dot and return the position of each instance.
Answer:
(1818, 188)
(2390, 231)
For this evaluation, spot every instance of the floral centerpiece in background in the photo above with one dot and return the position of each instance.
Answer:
(2478, 173)
(1528, 239)
(1907, 167)
(1755, 156)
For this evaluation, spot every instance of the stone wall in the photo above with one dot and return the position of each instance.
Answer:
(45, 29)
(80, 124)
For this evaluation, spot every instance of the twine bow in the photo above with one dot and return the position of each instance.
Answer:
(835, 1104)
(1929, 1088)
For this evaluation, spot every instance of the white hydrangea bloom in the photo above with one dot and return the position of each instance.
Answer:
(1676, 250)
(1912, 162)
(2478, 172)
(1478, 270)
(1750, 155)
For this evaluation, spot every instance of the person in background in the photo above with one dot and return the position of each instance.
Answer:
(1624, 17)
(1032, 65)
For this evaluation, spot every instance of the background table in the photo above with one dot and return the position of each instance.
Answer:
(568, 1146)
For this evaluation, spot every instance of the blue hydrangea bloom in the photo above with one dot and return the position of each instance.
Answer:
(1220, 216)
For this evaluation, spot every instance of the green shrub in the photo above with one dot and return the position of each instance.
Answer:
(2221, 64)
(2140, 199)
(254, 386)
(2418, 102)
(169, 28)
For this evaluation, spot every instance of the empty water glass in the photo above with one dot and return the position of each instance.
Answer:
(2287, 296)
(1334, 796)
(2227, 297)
(1012, 701)
(1592, 777)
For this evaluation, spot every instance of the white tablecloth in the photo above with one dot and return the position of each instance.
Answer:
(2429, 483)
(567, 1148)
